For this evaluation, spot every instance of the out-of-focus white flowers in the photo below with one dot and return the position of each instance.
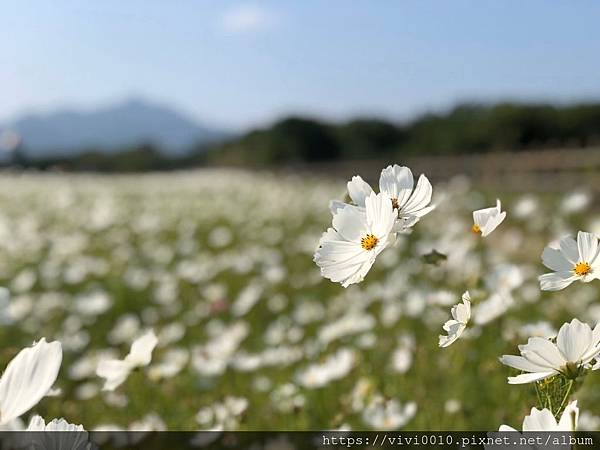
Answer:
(353, 322)
(525, 206)
(572, 261)
(576, 346)
(116, 371)
(541, 329)
(93, 304)
(213, 358)
(348, 250)
(388, 415)
(461, 314)
(333, 368)
(150, 422)
(544, 420)
(287, 398)
(28, 378)
(173, 362)
(402, 357)
(487, 220)
(225, 415)
(588, 422)
(5, 317)
(575, 202)
(491, 308)
(243, 319)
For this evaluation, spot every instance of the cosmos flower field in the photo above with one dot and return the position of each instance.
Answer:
(250, 336)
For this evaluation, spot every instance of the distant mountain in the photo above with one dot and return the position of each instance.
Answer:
(134, 122)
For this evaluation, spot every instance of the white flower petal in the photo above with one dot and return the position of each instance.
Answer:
(380, 215)
(574, 339)
(569, 248)
(520, 363)
(569, 418)
(539, 421)
(359, 190)
(455, 327)
(351, 224)
(529, 377)
(420, 198)
(554, 259)
(114, 371)
(587, 245)
(335, 206)
(37, 423)
(28, 378)
(488, 219)
(141, 350)
(492, 223)
(556, 281)
(543, 352)
(396, 182)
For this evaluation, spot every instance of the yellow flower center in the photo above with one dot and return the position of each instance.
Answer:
(475, 228)
(368, 242)
(582, 268)
(395, 203)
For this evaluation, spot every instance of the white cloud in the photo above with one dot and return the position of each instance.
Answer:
(246, 19)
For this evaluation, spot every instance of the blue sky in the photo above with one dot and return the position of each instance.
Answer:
(239, 64)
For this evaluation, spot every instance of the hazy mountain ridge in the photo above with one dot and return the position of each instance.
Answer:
(110, 129)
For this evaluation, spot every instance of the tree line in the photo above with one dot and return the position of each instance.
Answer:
(465, 129)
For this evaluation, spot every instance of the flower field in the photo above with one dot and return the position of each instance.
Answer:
(249, 334)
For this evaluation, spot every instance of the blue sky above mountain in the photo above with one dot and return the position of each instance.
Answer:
(240, 64)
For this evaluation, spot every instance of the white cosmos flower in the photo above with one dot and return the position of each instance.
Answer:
(461, 314)
(37, 423)
(576, 346)
(348, 250)
(572, 261)
(28, 378)
(487, 220)
(116, 371)
(544, 420)
(410, 202)
(69, 436)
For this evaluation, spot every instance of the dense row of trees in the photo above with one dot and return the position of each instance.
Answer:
(468, 128)
(142, 158)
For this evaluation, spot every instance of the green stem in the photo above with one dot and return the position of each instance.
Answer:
(564, 400)
(539, 396)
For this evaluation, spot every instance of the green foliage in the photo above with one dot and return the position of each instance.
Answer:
(468, 128)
